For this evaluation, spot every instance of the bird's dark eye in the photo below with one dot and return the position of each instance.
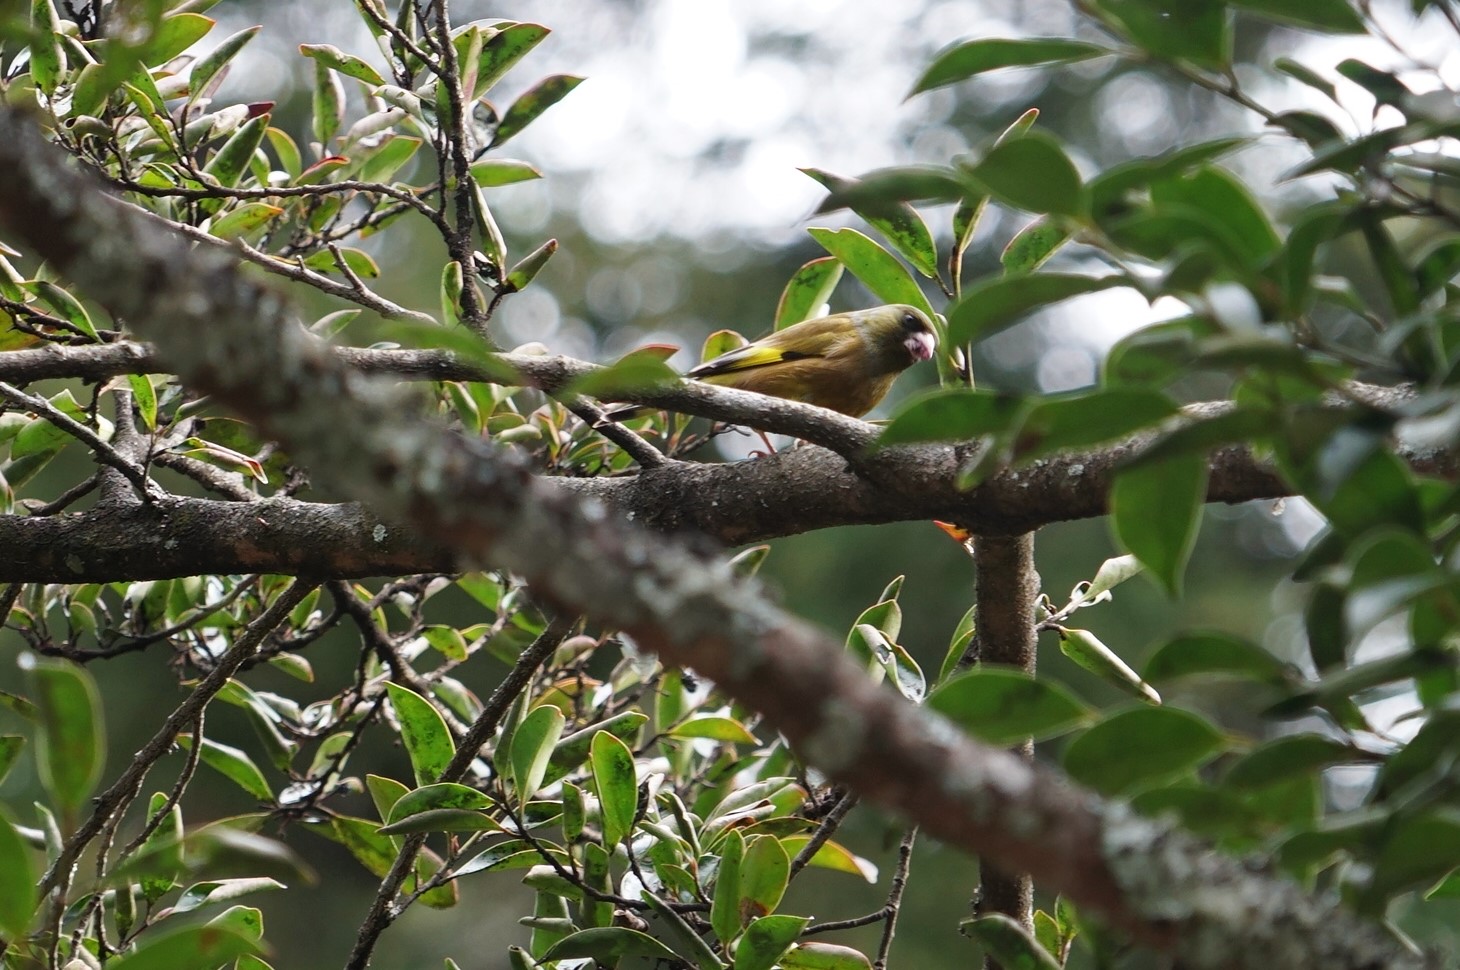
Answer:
(911, 323)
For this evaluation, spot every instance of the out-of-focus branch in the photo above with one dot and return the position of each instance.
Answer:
(1161, 886)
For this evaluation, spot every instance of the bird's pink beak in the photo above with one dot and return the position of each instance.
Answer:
(920, 346)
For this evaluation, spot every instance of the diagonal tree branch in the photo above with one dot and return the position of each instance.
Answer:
(1160, 885)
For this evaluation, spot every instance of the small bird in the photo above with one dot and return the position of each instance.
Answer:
(845, 361)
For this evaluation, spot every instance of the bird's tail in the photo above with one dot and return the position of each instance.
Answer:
(625, 412)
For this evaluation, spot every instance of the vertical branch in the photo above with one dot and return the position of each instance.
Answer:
(1008, 587)
(458, 242)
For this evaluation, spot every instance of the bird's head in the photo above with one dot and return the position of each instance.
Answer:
(903, 334)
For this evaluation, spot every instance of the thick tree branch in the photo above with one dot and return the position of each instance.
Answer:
(1158, 884)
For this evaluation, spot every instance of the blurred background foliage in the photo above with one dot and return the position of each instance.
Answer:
(671, 183)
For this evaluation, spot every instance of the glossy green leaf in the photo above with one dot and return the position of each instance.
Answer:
(10, 747)
(432, 797)
(878, 269)
(1087, 650)
(808, 290)
(328, 104)
(195, 946)
(1156, 510)
(765, 872)
(240, 221)
(1000, 302)
(233, 764)
(17, 882)
(1008, 943)
(973, 57)
(824, 956)
(216, 891)
(490, 172)
(766, 939)
(231, 160)
(616, 784)
(1082, 419)
(47, 58)
(423, 732)
(71, 746)
(717, 728)
(1282, 759)
(1140, 746)
(211, 64)
(1190, 30)
(725, 903)
(337, 60)
(532, 747)
(1003, 706)
(502, 50)
(392, 155)
(1032, 172)
(608, 945)
(537, 99)
(952, 414)
(1033, 245)
(1194, 654)
(174, 34)
(898, 222)
(632, 374)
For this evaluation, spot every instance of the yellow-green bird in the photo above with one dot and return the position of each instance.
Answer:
(845, 361)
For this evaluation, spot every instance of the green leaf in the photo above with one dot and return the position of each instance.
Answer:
(359, 262)
(217, 891)
(1004, 705)
(528, 267)
(973, 57)
(532, 747)
(634, 372)
(898, 222)
(1032, 172)
(616, 784)
(217, 60)
(998, 303)
(502, 50)
(1156, 510)
(878, 269)
(764, 874)
(423, 732)
(17, 882)
(537, 99)
(808, 290)
(766, 939)
(1139, 746)
(1008, 943)
(491, 172)
(10, 747)
(1282, 759)
(1329, 16)
(1227, 203)
(392, 155)
(175, 33)
(47, 57)
(67, 306)
(71, 745)
(1086, 649)
(233, 764)
(1415, 852)
(347, 64)
(195, 946)
(242, 220)
(725, 729)
(1033, 245)
(231, 160)
(725, 904)
(1082, 419)
(824, 956)
(1191, 30)
(952, 414)
(608, 945)
(1194, 654)
(328, 106)
(445, 795)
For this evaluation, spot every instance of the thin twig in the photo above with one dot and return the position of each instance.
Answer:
(894, 897)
